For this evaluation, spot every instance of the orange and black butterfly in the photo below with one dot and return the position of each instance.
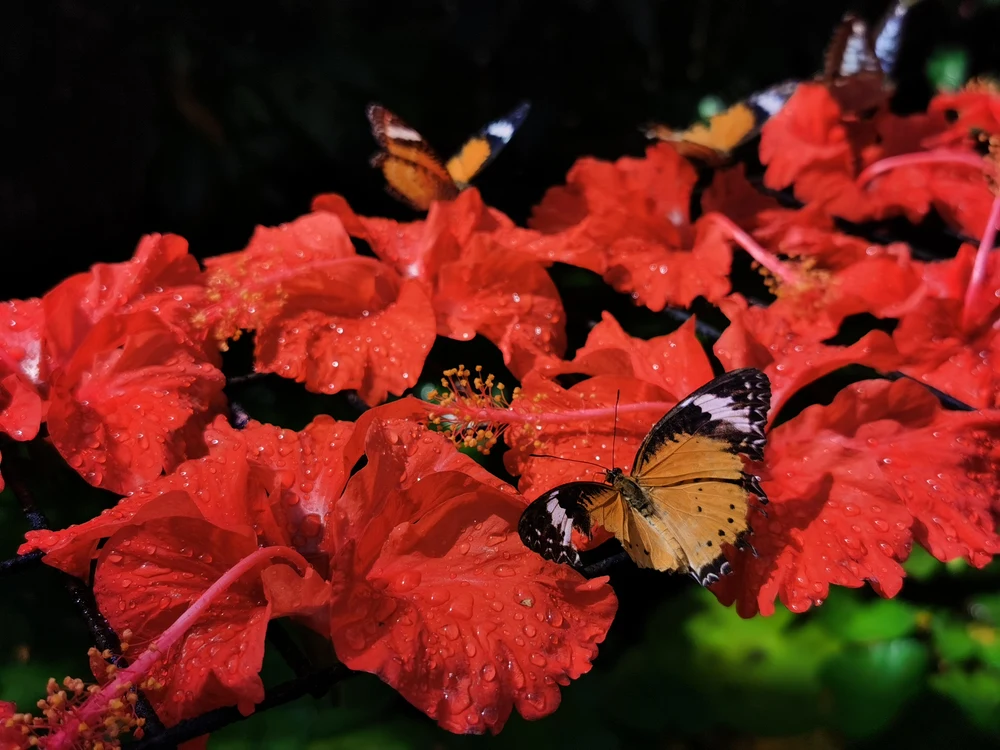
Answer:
(714, 141)
(688, 491)
(414, 172)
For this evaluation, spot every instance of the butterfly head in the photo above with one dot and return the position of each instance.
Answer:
(614, 477)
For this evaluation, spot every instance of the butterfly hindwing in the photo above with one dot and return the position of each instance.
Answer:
(411, 168)
(547, 524)
(476, 153)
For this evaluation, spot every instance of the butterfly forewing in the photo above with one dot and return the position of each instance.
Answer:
(547, 524)
(411, 168)
(477, 152)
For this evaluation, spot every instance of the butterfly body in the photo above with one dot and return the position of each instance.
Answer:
(413, 171)
(687, 493)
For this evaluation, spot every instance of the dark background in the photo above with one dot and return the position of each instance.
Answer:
(122, 118)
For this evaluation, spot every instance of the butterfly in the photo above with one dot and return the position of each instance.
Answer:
(713, 142)
(688, 491)
(414, 172)
(856, 69)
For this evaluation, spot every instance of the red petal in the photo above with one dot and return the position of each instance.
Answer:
(676, 362)
(20, 408)
(22, 329)
(148, 576)
(506, 296)
(356, 325)
(449, 607)
(657, 277)
(218, 487)
(977, 108)
(732, 194)
(418, 249)
(161, 277)
(806, 135)
(850, 484)
(120, 408)
(758, 337)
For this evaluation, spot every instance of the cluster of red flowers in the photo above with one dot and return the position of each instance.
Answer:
(412, 565)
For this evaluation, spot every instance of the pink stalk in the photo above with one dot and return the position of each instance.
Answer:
(974, 292)
(940, 156)
(92, 709)
(784, 273)
(508, 416)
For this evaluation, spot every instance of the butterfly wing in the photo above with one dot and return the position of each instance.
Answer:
(690, 471)
(482, 148)
(412, 170)
(713, 142)
(546, 525)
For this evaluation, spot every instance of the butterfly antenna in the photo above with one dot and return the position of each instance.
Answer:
(562, 458)
(614, 430)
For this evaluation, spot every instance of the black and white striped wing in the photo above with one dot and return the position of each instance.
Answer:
(547, 524)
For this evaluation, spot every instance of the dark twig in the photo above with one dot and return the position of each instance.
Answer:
(289, 650)
(601, 566)
(21, 562)
(950, 401)
(319, 682)
(250, 377)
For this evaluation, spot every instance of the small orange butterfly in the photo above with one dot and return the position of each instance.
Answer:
(414, 172)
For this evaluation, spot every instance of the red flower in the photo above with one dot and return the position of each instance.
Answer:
(149, 574)
(764, 337)
(851, 484)
(21, 407)
(976, 108)
(810, 144)
(11, 737)
(323, 316)
(165, 546)
(732, 194)
(468, 258)
(630, 222)
(939, 347)
(437, 595)
(132, 402)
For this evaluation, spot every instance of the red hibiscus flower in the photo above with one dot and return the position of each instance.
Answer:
(470, 261)
(323, 316)
(809, 144)
(950, 339)
(165, 546)
(764, 337)
(115, 360)
(852, 484)
(630, 222)
(436, 594)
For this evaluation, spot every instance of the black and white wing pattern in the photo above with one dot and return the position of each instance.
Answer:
(547, 524)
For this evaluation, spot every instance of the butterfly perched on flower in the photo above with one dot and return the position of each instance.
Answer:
(688, 491)
(414, 172)
(856, 68)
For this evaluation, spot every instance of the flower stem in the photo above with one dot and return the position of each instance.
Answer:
(781, 271)
(941, 156)
(509, 416)
(977, 281)
(89, 714)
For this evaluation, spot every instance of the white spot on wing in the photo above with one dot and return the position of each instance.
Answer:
(501, 129)
(560, 520)
(402, 133)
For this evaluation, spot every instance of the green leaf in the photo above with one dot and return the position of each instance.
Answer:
(857, 621)
(870, 684)
(922, 565)
(710, 105)
(948, 68)
(951, 638)
(976, 693)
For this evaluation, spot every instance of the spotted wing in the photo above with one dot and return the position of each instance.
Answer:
(690, 471)
(547, 524)
(482, 148)
(411, 168)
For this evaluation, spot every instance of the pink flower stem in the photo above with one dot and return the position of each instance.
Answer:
(92, 709)
(941, 156)
(977, 282)
(508, 416)
(781, 271)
